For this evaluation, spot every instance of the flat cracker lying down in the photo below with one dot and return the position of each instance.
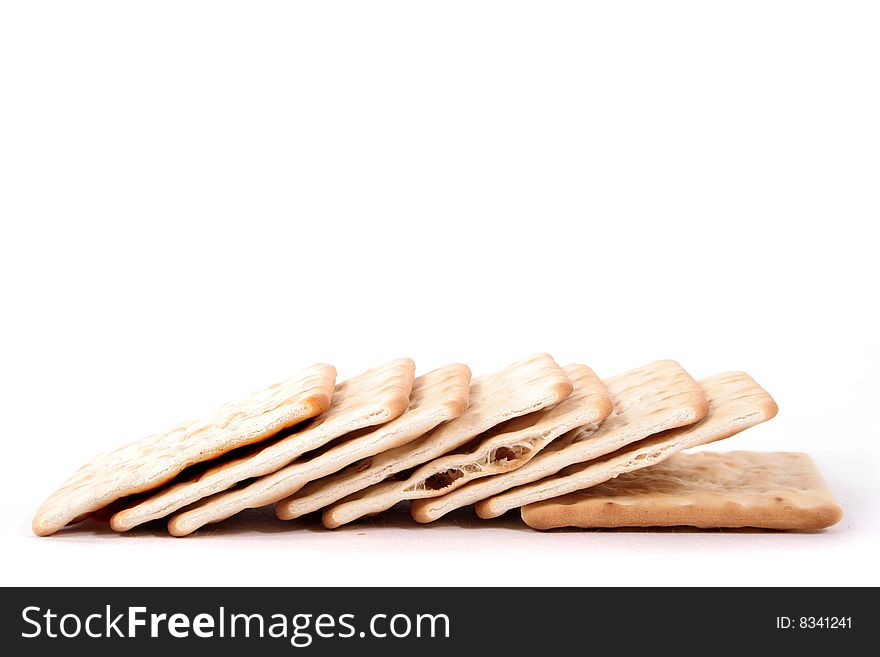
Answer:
(503, 448)
(436, 397)
(378, 395)
(658, 396)
(736, 402)
(150, 462)
(523, 387)
(780, 490)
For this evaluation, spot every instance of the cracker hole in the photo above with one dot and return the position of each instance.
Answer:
(510, 454)
(645, 456)
(504, 454)
(441, 480)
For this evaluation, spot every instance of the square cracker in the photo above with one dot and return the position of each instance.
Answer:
(736, 403)
(781, 490)
(658, 396)
(378, 395)
(151, 461)
(436, 397)
(523, 387)
(503, 448)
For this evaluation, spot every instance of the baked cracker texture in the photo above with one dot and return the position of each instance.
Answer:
(502, 448)
(508, 446)
(152, 461)
(779, 490)
(736, 402)
(378, 395)
(649, 399)
(436, 397)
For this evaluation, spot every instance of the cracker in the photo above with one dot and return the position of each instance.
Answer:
(523, 387)
(373, 397)
(436, 397)
(658, 396)
(781, 490)
(507, 446)
(151, 461)
(736, 403)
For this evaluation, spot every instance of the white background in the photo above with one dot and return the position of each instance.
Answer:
(199, 198)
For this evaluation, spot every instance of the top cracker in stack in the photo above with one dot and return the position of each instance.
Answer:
(152, 461)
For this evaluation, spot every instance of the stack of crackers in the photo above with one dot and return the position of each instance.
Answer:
(561, 445)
